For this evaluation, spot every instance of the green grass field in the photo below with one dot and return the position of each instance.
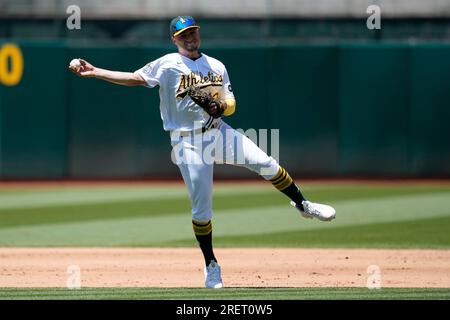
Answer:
(246, 215)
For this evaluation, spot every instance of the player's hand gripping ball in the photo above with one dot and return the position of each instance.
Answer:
(82, 68)
(75, 64)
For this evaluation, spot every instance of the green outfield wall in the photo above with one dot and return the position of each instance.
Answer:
(342, 110)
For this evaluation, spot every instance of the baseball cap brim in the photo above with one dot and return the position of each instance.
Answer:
(184, 29)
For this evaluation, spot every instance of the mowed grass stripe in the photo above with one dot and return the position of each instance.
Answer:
(224, 199)
(176, 228)
(89, 212)
(121, 210)
(421, 233)
(226, 293)
(355, 212)
(75, 196)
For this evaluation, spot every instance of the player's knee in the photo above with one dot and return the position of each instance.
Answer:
(202, 216)
(202, 211)
(269, 168)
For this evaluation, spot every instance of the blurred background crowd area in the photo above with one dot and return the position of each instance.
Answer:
(349, 101)
(233, 21)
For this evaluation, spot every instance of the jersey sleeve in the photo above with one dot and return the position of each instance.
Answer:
(151, 73)
(226, 86)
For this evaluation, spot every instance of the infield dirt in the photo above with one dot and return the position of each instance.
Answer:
(244, 267)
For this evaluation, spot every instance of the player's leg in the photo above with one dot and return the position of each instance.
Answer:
(242, 151)
(198, 177)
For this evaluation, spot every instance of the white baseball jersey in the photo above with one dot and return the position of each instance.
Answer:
(174, 73)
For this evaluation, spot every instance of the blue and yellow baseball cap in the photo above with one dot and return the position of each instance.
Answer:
(181, 24)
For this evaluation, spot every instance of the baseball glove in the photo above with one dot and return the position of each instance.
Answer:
(206, 101)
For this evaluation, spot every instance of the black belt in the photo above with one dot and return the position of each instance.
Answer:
(212, 126)
(200, 130)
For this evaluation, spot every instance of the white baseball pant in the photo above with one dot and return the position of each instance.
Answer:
(195, 155)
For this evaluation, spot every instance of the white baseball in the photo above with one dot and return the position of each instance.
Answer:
(75, 63)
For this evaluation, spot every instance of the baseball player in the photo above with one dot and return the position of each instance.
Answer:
(195, 95)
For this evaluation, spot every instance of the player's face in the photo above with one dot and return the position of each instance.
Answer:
(188, 40)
